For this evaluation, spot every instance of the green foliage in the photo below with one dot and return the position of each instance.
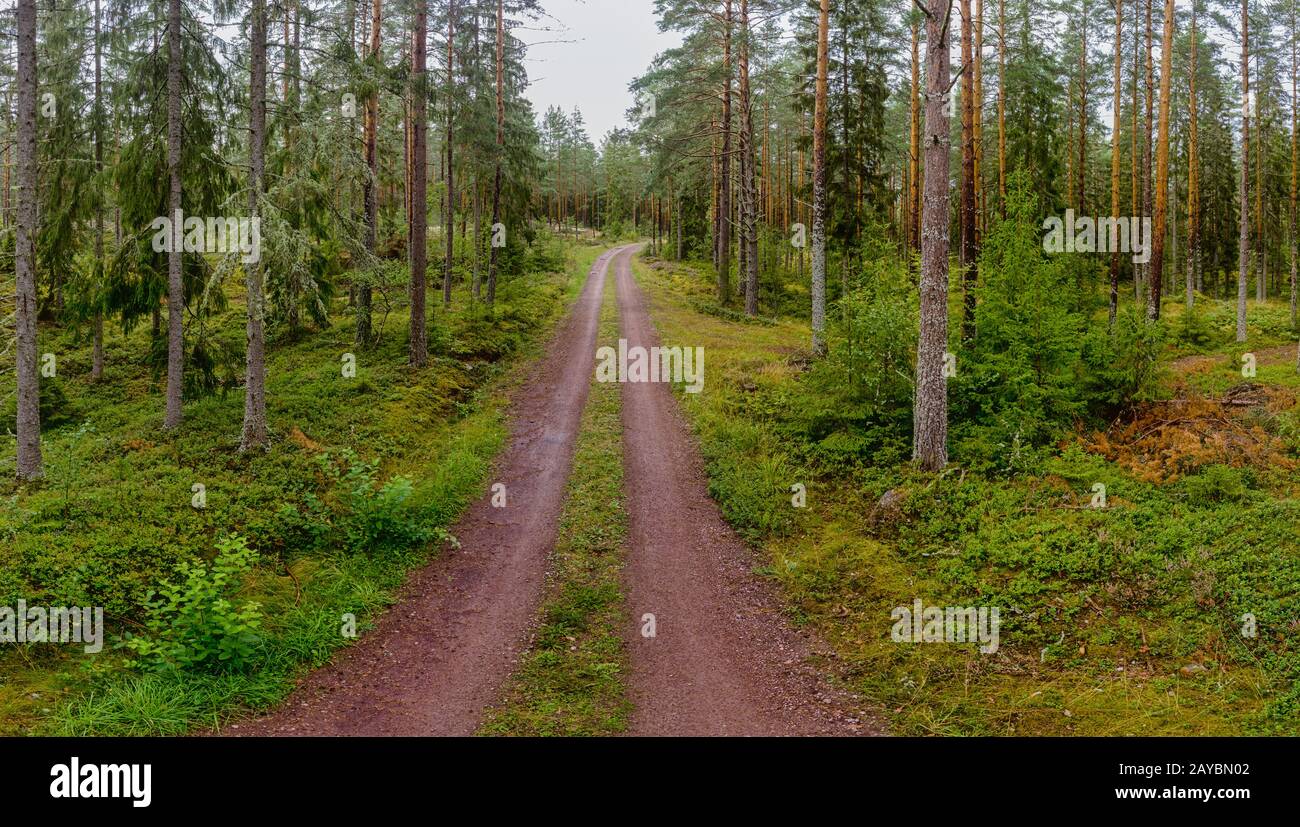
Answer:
(1123, 364)
(1020, 383)
(194, 625)
(1216, 484)
(376, 518)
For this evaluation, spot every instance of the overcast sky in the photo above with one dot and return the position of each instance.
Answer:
(594, 50)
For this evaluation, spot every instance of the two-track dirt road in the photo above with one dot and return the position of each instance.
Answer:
(438, 658)
(723, 661)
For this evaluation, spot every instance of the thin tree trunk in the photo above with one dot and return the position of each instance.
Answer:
(500, 150)
(969, 244)
(914, 151)
(819, 187)
(1002, 106)
(29, 405)
(1083, 109)
(1114, 160)
(1295, 157)
(1243, 217)
(1162, 167)
(1147, 133)
(418, 349)
(1193, 176)
(255, 428)
(371, 190)
(97, 357)
(724, 194)
(175, 280)
(749, 197)
(930, 412)
(978, 120)
(450, 217)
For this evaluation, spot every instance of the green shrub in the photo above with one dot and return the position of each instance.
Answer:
(193, 625)
(378, 517)
(1216, 484)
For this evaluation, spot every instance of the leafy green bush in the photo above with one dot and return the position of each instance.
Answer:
(378, 517)
(1216, 484)
(193, 625)
(1123, 364)
(1020, 381)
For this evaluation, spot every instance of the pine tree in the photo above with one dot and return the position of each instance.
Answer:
(930, 413)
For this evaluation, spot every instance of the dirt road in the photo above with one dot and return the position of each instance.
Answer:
(723, 660)
(438, 658)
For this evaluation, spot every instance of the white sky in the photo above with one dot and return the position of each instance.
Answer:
(593, 50)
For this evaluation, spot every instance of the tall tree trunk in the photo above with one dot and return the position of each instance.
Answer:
(1162, 167)
(419, 345)
(371, 190)
(914, 151)
(175, 279)
(500, 149)
(930, 412)
(1135, 158)
(1261, 243)
(97, 356)
(724, 191)
(1243, 194)
(819, 186)
(1114, 159)
(1148, 131)
(749, 197)
(1295, 157)
(450, 217)
(29, 403)
(977, 125)
(1193, 176)
(255, 430)
(1002, 107)
(1083, 109)
(969, 244)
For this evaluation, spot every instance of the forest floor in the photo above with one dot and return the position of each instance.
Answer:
(116, 513)
(1124, 620)
(649, 572)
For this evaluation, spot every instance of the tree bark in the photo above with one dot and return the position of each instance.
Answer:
(969, 244)
(914, 153)
(255, 428)
(749, 196)
(175, 277)
(724, 191)
(371, 189)
(1114, 160)
(97, 355)
(819, 186)
(1162, 167)
(419, 344)
(450, 217)
(501, 141)
(1243, 194)
(1193, 176)
(930, 412)
(29, 403)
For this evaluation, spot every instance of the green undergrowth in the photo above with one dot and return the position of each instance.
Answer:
(363, 478)
(1132, 619)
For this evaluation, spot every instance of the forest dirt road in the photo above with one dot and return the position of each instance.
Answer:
(438, 658)
(723, 660)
